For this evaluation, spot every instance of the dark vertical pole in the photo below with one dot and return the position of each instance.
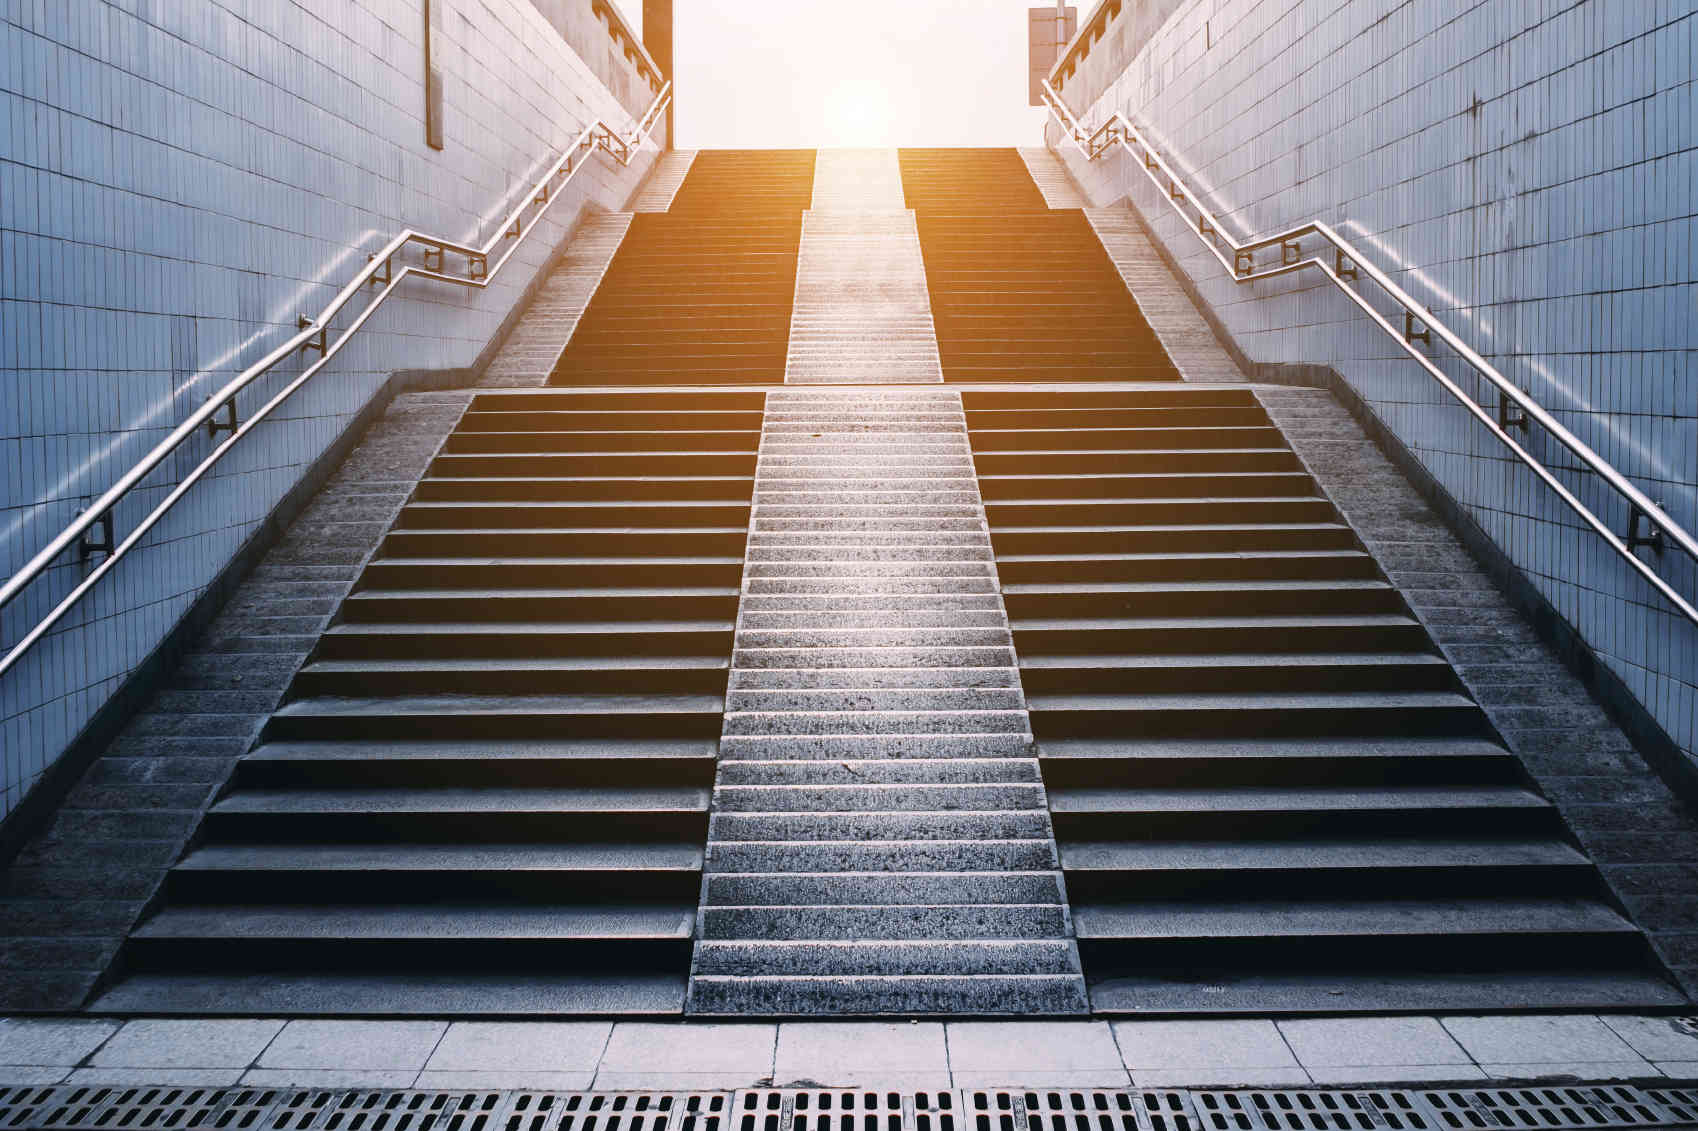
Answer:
(657, 37)
(433, 85)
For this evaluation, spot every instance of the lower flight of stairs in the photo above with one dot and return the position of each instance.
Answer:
(487, 790)
(701, 293)
(880, 843)
(1020, 291)
(1270, 791)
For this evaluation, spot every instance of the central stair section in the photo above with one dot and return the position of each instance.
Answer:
(880, 842)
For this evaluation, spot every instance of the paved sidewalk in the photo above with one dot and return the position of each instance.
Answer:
(603, 1055)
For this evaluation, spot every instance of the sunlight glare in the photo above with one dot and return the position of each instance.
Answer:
(858, 113)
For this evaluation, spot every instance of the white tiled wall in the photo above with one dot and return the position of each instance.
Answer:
(1529, 168)
(179, 179)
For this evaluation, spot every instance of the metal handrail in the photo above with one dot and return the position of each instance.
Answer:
(1648, 524)
(315, 333)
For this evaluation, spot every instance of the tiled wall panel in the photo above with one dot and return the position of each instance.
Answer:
(1529, 169)
(178, 180)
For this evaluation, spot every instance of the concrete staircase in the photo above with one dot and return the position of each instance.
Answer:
(701, 293)
(1020, 291)
(880, 843)
(487, 789)
(1270, 791)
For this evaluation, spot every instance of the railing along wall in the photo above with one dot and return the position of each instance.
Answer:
(94, 533)
(1315, 246)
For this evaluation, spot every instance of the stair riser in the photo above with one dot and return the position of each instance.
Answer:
(1158, 569)
(388, 576)
(1223, 602)
(496, 607)
(1105, 486)
(449, 725)
(1061, 995)
(607, 681)
(904, 922)
(1292, 722)
(454, 828)
(304, 957)
(1196, 540)
(1300, 824)
(547, 443)
(1209, 640)
(1338, 955)
(661, 543)
(1256, 883)
(470, 773)
(703, 490)
(1160, 512)
(474, 644)
(1206, 679)
(450, 516)
(541, 416)
(890, 959)
(366, 887)
(721, 462)
(1290, 772)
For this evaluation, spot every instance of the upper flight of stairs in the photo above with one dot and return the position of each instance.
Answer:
(701, 293)
(1020, 292)
(1269, 790)
(487, 789)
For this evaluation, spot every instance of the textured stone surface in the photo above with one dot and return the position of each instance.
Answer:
(862, 313)
(530, 352)
(876, 785)
(1643, 839)
(663, 182)
(73, 892)
(1188, 339)
(1052, 178)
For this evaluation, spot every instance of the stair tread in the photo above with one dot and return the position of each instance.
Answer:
(472, 705)
(1248, 701)
(1254, 799)
(1065, 749)
(419, 993)
(458, 799)
(427, 922)
(1369, 854)
(1252, 919)
(1233, 660)
(370, 749)
(378, 858)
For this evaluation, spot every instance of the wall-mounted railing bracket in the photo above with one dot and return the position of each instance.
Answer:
(1343, 266)
(477, 266)
(1637, 519)
(1414, 330)
(1290, 253)
(1510, 414)
(229, 423)
(1244, 262)
(384, 274)
(434, 257)
(318, 341)
(91, 543)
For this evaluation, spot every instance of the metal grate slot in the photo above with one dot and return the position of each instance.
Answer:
(151, 1108)
(845, 1109)
(1589, 1105)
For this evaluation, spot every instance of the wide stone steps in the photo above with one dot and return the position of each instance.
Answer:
(488, 788)
(700, 293)
(1269, 790)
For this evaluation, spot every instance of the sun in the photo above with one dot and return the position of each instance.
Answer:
(858, 113)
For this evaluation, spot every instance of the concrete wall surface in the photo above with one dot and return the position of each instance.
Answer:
(1527, 168)
(599, 36)
(178, 180)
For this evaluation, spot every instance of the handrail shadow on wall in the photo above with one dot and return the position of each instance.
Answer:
(1648, 525)
(92, 531)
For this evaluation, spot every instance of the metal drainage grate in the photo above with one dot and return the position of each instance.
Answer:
(1079, 1109)
(846, 1109)
(1589, 1105)
(1290, 1109)
(617, 1111)
(1580, 1107)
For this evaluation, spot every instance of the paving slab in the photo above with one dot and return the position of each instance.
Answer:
(1367, 1041)
(890, 1054)
(650, 1055)
(51, 1041)
(354, 1045)
(1660, 1039)
(559, 1047)
(200, 1043)
(1037, 1053)
(1234, 1044)
(1574, 1039)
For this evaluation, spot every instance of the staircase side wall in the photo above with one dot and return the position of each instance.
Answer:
(182, 180)
(1528, 171)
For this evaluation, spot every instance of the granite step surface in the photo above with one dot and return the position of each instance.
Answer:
(880, 841)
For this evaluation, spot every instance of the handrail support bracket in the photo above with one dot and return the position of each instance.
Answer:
(1411, 334)
(87, 547)
(229, 423)
(1290, 253)
(1511, 415)
(1636, 518)
(318, 341)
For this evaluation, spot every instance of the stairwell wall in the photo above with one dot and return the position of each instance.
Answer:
(177, 182)
(1527, 169)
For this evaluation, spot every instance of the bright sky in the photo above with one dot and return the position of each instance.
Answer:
(804, 73)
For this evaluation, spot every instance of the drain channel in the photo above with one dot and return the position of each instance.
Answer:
(66, 1107)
